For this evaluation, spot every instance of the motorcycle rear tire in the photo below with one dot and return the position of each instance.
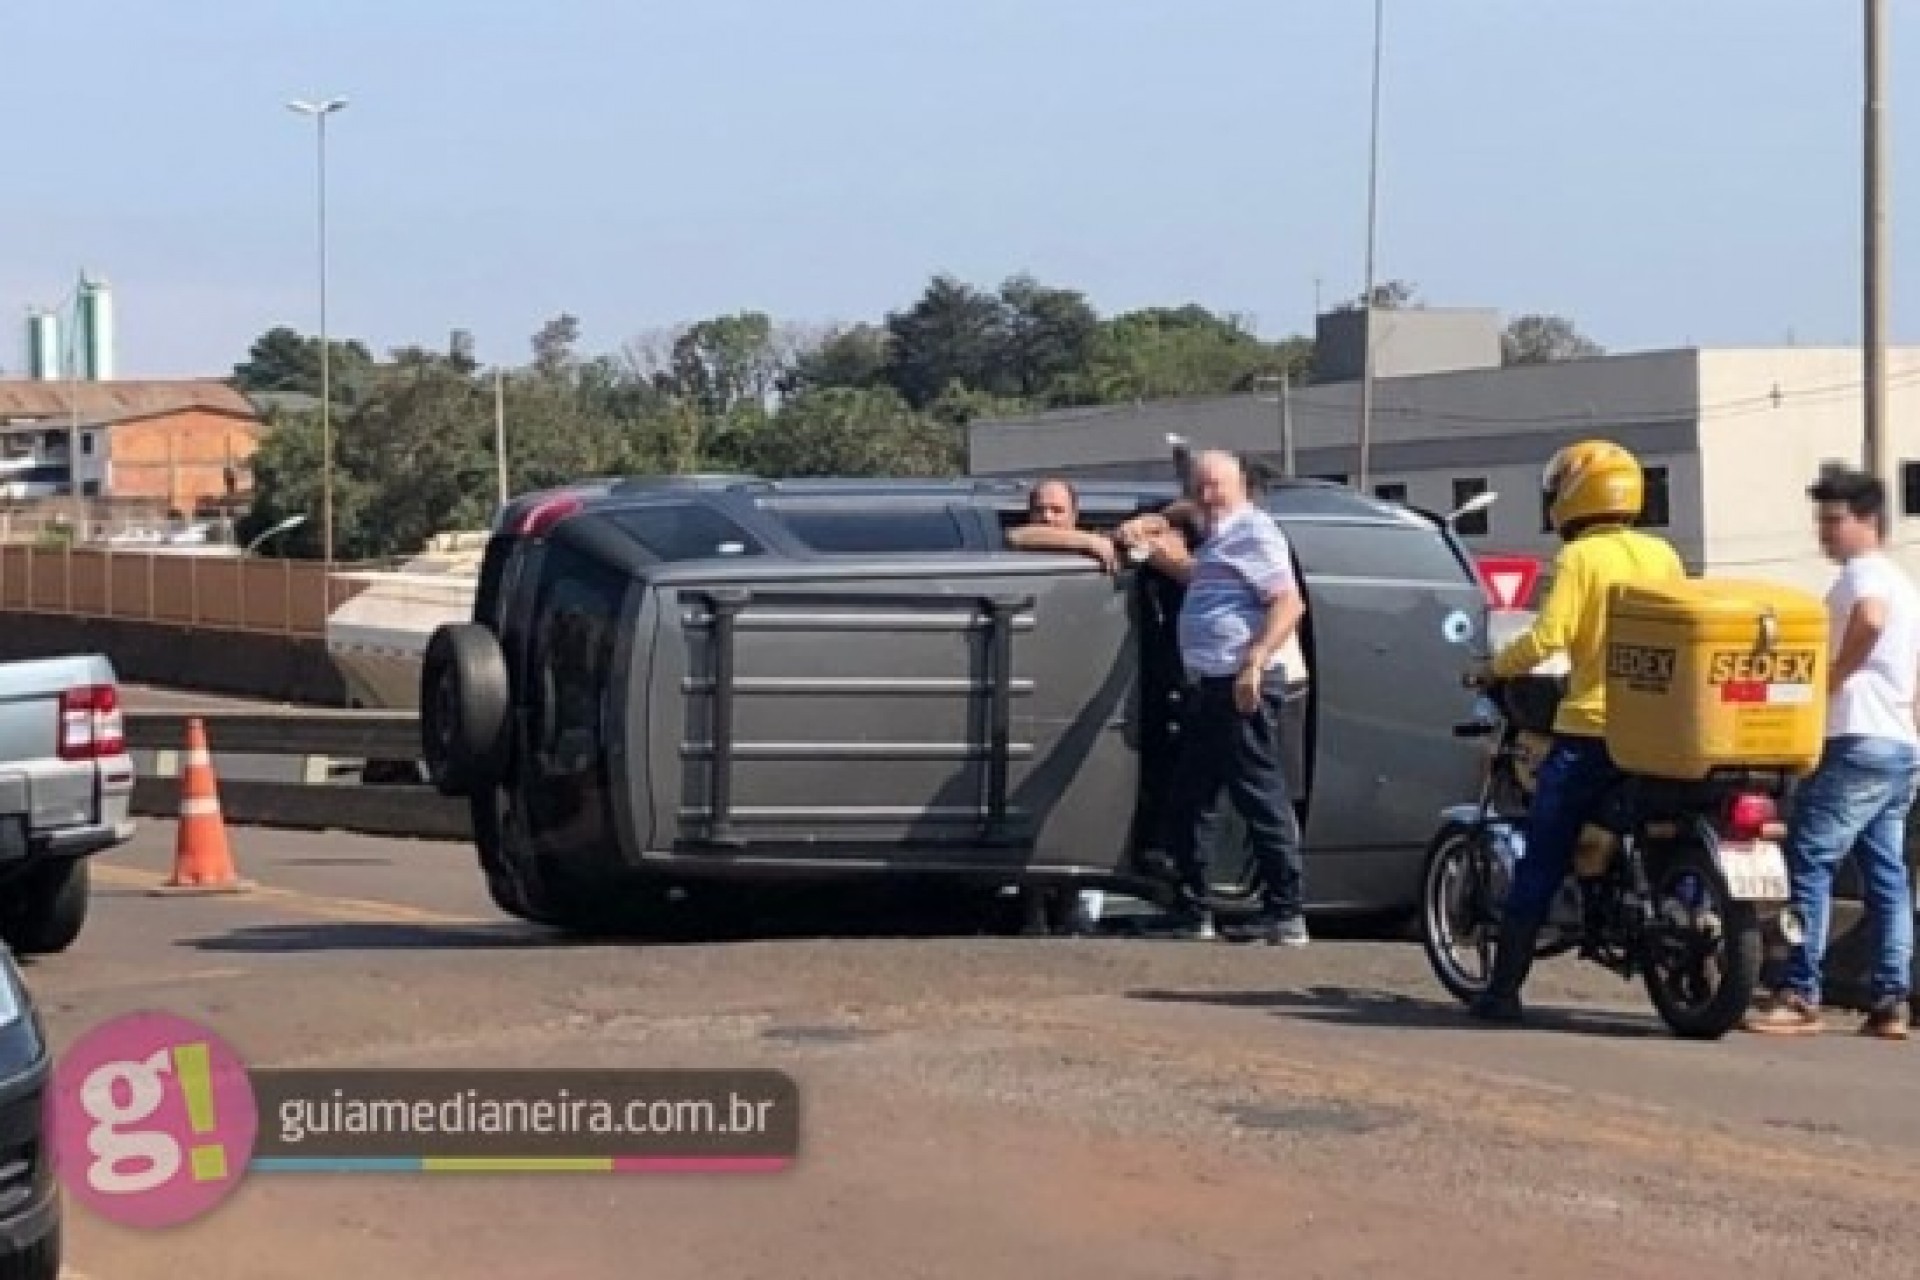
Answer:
(1743, 954)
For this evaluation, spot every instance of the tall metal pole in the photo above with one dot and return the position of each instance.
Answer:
(326, 349)
(1876, 279)
(1373, 221)
(1286, 423)
(74, 336)
(320, 111)
(500, 428)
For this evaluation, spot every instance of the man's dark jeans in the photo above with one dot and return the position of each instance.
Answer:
(1247, 757)
(1567, 791)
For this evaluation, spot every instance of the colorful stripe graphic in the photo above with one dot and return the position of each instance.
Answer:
(510, 1164)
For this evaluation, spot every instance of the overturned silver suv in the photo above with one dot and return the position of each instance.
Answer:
(695, 680)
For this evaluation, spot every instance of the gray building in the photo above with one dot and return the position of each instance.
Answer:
(1730, 437)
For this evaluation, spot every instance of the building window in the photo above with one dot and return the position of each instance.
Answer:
(1655, 508)
(86, 443)
(1654, 511)
(1474, 524)
(1390, 492)
(1910, 488)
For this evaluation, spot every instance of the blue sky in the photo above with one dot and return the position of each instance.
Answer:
(1662, 172)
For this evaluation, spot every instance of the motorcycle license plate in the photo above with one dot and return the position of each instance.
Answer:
(1756, 870)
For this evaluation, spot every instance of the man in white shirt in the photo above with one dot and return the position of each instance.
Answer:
(1859, 797)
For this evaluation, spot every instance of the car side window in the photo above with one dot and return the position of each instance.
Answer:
(686, 531)
(881, 530)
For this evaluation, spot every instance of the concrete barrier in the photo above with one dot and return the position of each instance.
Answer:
(407, 812)
(241, 664)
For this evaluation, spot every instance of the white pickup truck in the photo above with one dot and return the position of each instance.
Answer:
(66, 793)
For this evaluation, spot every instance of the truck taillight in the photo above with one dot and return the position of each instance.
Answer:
(1752, 817)
(545, 514)
(91, 723)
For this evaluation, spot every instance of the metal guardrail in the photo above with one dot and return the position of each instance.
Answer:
(329, 746)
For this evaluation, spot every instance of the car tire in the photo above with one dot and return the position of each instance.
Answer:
(38, 1261)
(464, 696)
(46, 909)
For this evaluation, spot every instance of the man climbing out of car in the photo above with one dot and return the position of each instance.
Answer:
(1053, 524)
(1594, 492)
(1859, 795)
(1237, 628)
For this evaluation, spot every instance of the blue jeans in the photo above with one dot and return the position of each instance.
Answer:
(1251, 759)
(1572, 781)
(1857, 800)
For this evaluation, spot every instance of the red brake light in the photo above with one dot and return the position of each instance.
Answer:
(1749, 817)
(542, 516)
(91, 723)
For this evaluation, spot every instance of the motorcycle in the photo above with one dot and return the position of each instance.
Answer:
(1674, 883)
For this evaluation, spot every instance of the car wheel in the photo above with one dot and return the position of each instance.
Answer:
(46, 910)
(464, 695)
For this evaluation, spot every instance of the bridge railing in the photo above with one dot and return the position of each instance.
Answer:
(303, 769)
(222, 593)
(252, 594)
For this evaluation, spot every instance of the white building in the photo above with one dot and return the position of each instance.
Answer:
(1730, 437)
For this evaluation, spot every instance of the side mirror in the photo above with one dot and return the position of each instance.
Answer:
(1478, 502)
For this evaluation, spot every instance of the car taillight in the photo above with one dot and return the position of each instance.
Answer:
(1750, 817)
(542, 516)
(91, 723)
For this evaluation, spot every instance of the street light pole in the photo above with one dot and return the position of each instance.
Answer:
(1373, 222)
(1285, 398)
(319, 111)
(1875, 243)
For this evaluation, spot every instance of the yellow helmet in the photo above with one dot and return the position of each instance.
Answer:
(1592, 479)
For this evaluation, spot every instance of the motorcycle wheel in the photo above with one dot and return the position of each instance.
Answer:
(1701, 985)
(1460, 892)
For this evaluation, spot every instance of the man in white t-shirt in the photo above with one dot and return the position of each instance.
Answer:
(1859, 797)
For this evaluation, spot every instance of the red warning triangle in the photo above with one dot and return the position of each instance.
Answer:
(1509, 580)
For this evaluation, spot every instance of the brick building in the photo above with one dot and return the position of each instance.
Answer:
(183, 446)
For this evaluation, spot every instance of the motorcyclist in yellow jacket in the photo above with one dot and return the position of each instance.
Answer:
(1594, 492)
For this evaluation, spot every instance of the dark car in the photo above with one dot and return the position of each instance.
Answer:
(30, 1222)
(670, 681)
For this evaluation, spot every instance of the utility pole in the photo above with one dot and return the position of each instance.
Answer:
(319, 111)
(1373, 221)
(500, 428)
(1876, 267)
(1286, 424)
(1285, 401)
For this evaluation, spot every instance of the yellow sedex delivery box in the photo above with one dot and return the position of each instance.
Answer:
(1706, 674)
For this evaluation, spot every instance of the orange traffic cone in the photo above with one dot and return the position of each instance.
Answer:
(202, 860)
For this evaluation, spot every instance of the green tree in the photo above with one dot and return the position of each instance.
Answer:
(1163, 352)
(849, 357)
(955, 335)
(1050, 336)
(1543, 339)
(855, 431)
(727, 362)
(282, 360)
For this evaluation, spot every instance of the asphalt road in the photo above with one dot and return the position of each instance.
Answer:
(980, 1106)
